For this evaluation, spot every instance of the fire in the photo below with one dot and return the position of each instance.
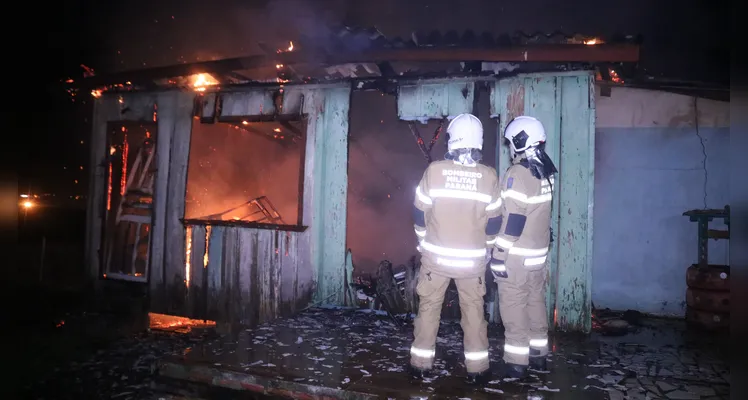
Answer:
(125, 150)
(201, 81)
(289, 48)
(187, 256)
(27, 204)
(593, 41)
(614, 76)
(174, 323)
(109, 183)
(96, 93)
(207, 243)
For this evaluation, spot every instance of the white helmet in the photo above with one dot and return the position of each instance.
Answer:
(524, 132)
(465, 132)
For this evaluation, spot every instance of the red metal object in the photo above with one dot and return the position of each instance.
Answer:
(713, 277)
(707, 320)
(708, 300)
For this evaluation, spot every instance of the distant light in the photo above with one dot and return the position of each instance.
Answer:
(27, 204)
(24, 196)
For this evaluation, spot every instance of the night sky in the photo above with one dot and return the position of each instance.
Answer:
(681, 41)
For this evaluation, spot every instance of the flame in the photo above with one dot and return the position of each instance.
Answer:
(96, 93)
(614, 76)
(109, 183)
(289, 48)
(172, 322)
(187, 256)
(593, 41)
(201, 81)
(125, 150)
(207, 243)
(27, 204)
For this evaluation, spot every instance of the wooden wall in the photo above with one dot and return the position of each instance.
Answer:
(244, 275)
(565, 104)
(252, 275)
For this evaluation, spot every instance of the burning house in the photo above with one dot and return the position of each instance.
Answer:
(222, 187)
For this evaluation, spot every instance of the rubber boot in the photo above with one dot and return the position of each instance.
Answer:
(478, 378)
(417, 374)
(537, 362)
(514, 371)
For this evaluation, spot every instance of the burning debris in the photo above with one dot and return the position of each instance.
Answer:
(259, 210)
(245, 172)
(174, 323)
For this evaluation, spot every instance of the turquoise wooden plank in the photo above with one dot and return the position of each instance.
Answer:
(435, 99)
(542, 101)
(507, 102)
(252, 102)
(331, 195)
(576, 173)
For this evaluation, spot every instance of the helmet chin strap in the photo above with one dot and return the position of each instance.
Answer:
(541, 166)
(467, 157)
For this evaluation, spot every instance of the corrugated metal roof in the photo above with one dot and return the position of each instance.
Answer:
(351, 38)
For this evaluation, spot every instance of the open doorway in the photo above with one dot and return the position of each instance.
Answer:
(130, 176)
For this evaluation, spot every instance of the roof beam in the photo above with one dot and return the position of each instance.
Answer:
(527, 53)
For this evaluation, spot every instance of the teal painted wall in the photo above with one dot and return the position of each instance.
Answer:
(564, 103)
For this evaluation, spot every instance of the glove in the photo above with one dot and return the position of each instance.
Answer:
(497, 265)
(498, 270)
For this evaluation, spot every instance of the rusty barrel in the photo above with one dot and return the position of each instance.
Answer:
(708, 296)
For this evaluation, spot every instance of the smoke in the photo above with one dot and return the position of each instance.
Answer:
(230, 166)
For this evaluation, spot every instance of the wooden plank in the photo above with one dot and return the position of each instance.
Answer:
(215, 262)
(576, 172)
(245, 281)
(543, 101)
(230, 276)
(275, 270)
(435, 99)
(508, 102)
(330, 187)
(174, 255)
(308, 252)
(138, 106)
(248, 103)
(106, 109)
(288, 273)
(196, 289)
(165, 118)
(265, 255)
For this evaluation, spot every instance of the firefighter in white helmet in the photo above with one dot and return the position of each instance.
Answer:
(519, 257)
(456, 216)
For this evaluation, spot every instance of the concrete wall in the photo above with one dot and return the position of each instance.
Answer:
(650, 168)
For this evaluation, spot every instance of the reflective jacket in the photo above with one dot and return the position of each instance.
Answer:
(456, 217)
(526, 219)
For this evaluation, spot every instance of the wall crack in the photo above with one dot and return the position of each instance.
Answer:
(703, 147)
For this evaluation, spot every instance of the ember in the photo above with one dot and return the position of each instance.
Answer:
(174, 323)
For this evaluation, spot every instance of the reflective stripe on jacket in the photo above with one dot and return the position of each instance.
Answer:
(457, 217)
(526, 218)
